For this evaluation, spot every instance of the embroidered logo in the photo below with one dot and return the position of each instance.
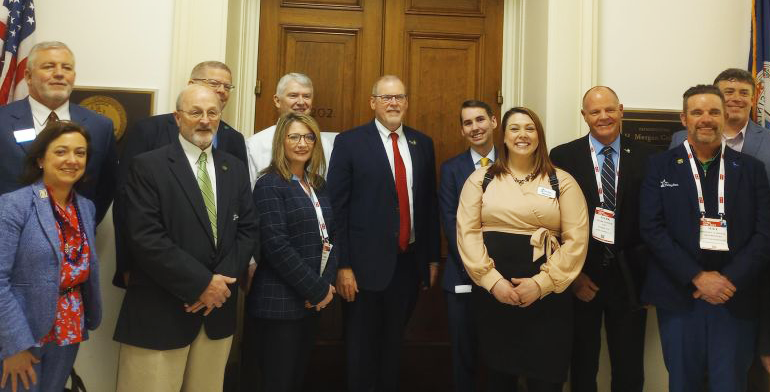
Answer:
(666, 184)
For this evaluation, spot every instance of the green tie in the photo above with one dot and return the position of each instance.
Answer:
(204, 182)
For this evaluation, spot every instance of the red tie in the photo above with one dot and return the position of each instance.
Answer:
(403, 196)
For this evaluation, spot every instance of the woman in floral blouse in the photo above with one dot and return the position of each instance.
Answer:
(49, 293)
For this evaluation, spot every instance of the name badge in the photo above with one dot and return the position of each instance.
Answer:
(713, 234)
(604, 225)
(463, 288)
(549, 193)
(24, 135)
(325, 252)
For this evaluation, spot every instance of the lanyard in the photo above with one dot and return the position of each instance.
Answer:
(721, 186)
(598, 174)
(319, 214)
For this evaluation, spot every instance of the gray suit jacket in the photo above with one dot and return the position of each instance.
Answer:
(30, 267)
(755, 144)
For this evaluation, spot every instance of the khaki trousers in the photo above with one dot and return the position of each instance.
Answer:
(197, 367)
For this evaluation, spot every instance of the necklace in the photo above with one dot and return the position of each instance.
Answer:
(528, 178)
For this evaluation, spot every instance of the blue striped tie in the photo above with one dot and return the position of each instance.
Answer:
(608, 190)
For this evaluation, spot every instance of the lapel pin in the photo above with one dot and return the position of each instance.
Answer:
(235, 217)
(412, 142)
(43, 193)
(627, 150)
(680, 161)
(224, 167)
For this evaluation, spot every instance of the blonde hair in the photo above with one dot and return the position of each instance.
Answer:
(280, 164)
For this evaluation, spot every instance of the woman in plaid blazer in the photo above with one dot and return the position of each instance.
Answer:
(293, 281)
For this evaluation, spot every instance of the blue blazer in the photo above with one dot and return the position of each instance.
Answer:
(30, 268)
(365, 202)
(99, 181)
(669, 223)
(288, 272)
(454, 172)
(755, 144)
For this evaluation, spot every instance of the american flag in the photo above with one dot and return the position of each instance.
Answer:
(17, 28)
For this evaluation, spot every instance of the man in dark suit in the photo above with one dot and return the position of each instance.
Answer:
(382, 184)
(191, 231)
(50, 76)
(157, 131)
(477, 125)
(705, 216)
(608, 287)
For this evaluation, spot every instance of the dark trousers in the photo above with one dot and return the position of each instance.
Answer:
(54, 368)
(283, 349)
(462, 332)
(374, 329)
(625, 341)
(504, 382)
(706, 340)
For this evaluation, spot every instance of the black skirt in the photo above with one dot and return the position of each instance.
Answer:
(535, 341)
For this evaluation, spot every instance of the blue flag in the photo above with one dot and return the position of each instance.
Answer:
(759, 59)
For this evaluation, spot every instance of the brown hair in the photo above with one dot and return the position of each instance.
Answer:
(701, 89)
(543, 164)
(31, 171)
(279, 164)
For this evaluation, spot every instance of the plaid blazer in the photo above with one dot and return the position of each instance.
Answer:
(288, 273)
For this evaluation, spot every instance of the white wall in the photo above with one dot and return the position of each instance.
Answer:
(651, 51)
(116, 44)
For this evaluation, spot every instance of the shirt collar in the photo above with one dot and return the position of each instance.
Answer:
(738, 136)
(192, 151)
(476, 157)
(598, 146)
(41, 112)
(385, 132)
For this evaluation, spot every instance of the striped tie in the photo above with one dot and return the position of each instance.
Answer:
(608, 190)
(204, 182)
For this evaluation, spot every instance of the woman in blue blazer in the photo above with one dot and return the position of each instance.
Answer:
(49, 277)
(298, 263)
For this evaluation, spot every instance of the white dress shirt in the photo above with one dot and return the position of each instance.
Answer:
(403, 149)
(736, 142)
(193, 152)
(41, 112)
(476, 157)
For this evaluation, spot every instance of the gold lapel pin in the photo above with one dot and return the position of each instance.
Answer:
(43, 193)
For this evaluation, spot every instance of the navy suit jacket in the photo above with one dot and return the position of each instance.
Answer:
(146, 135)
(173, 250)
(669, 222)
(30, 268)
(756, 143)
(99, 181)
(454, 172)
(288, 272)
(365, 204)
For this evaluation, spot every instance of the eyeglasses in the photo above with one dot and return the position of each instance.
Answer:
(400, 98)
(215, 84)
(198, 114)
(294, 138)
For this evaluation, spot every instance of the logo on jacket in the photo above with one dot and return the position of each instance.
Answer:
(666, 184)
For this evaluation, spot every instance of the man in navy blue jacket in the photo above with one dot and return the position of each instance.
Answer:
(382, 185)
(706, 217)
(477, 125)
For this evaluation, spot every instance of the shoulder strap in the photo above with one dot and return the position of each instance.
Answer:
(554, 183)
(487, 179)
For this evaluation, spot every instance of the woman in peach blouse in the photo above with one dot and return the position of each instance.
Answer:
(523, 239)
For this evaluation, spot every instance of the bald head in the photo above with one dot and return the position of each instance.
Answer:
(603, 113)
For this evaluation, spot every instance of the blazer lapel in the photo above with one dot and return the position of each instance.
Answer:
(586, 169)
(222, 169)
(733, 172)
(377, 147)
(468, 166)
(625, 154)
(752, 141)
(414, 154)
(45, 217)
(21, 119)
(180, 166)
(684, 177)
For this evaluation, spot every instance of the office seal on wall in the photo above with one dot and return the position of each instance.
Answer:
(110, 108)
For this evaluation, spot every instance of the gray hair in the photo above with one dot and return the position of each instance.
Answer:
(45, 45)
(190, 87)
(302, 79)
(197, 71)
(385, 78)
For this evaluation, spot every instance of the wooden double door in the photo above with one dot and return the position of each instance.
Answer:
(445, 51)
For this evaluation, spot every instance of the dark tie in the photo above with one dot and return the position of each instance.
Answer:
(403, 196)
(608, 190)
(52, 118)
